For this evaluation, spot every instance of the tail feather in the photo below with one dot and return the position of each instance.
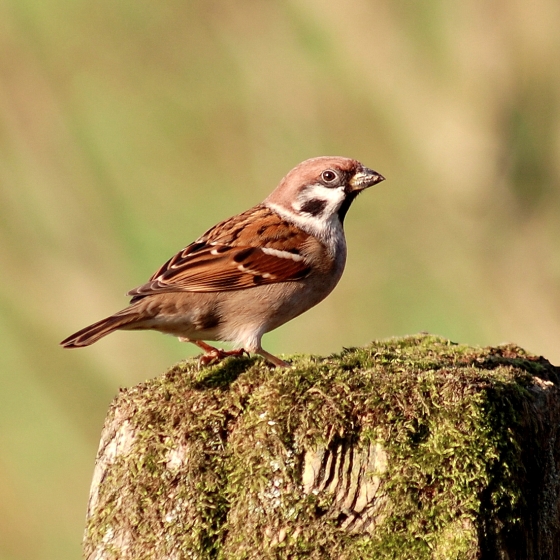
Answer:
(93, 333)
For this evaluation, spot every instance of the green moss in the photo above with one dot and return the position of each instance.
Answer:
(217, 458)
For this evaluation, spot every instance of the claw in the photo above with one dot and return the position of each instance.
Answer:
(215, 355)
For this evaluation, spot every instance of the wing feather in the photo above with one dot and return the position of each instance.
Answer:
(226, 257)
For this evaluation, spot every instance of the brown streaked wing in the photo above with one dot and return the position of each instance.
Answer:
(226, 258)
(257, 227)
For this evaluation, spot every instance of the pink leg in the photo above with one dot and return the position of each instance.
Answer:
(213, 355)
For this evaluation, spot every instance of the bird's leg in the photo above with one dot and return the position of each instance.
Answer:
(212, 355)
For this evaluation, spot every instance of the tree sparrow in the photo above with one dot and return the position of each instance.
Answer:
(254, 272)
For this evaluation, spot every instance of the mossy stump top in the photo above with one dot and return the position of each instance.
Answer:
(410, 448)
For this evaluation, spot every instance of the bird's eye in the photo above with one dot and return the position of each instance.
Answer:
(328, 176)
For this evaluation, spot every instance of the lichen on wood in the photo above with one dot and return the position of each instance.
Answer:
(408, 448)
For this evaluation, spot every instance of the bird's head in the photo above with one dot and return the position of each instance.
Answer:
(321, 189)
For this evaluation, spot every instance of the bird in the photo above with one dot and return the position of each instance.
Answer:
(253, 272)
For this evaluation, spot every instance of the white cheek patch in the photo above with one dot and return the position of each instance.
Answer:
(319, 202)
(315, 210)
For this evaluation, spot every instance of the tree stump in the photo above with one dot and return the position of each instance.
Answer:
(413, 448)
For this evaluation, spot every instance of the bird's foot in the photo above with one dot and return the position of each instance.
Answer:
(217, 355)
(214, 355)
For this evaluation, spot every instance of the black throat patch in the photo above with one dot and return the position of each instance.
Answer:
(346, 205)
(315, 206)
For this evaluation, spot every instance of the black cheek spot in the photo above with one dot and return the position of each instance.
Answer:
(243, 254)
(314, 206)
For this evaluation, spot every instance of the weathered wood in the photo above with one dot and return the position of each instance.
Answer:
(409, 448)
(353, 477)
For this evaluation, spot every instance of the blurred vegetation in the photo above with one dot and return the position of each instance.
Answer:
(127, 128)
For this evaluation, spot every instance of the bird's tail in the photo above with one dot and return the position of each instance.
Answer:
(93, 333)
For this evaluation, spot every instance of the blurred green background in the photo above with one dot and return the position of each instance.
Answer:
(127, 128)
